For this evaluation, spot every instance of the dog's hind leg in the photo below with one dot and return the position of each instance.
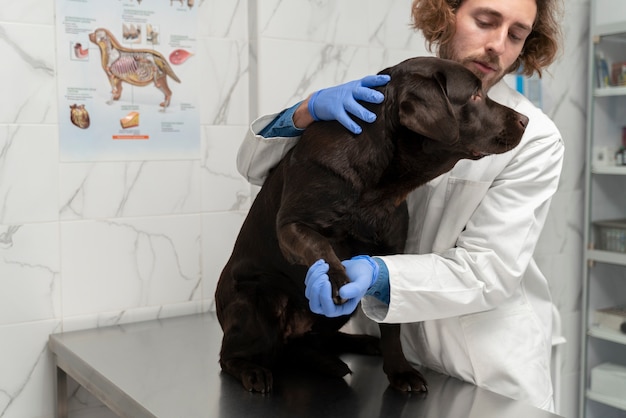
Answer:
(249, 347)
(161, 83)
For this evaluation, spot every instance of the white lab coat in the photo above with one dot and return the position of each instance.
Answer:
(471, 299)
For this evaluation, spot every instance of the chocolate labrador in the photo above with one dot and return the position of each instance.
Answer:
(336, 195)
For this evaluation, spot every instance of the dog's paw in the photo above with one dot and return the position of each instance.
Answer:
(338, 278)
(408, 381)
(257, 380)
(338, 299)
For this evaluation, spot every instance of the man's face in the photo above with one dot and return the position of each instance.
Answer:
(490, 35)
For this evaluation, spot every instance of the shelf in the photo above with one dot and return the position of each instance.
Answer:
(610, 257)
(607, 335)
(604, 272)
(614, 30)
(609, 169)
(610, 91)
(607, 400)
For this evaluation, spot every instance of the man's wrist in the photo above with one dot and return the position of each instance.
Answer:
(380, 288)
(302, 117)
(282, 125)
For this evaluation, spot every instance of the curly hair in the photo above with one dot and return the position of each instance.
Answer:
(436, 20)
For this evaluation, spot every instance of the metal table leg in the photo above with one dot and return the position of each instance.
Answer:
(61, 410)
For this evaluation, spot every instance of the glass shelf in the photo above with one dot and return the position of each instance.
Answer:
(607, 400)
(610, 257)
(613, 31)
(609, 169)
(605, 198)
(610, 91)
(607, 335)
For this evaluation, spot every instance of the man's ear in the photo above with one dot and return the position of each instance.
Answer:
(425, 109)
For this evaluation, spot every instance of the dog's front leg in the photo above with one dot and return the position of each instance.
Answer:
(401, 374)
(303, 245)
(116, 86)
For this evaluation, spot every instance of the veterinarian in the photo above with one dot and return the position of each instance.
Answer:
(471, 299)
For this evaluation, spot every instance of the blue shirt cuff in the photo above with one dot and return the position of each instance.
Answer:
(380, 288)
(282, 125)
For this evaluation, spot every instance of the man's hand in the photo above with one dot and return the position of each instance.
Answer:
(334, 103)
(362, 272)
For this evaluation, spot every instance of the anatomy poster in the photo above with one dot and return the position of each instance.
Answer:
(127, 80)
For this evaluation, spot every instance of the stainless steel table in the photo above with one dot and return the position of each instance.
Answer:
(169, 368)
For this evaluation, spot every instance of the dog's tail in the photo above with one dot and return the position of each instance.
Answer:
(165, 67)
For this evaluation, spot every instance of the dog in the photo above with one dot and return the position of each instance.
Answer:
(138, 67)
(336, 195)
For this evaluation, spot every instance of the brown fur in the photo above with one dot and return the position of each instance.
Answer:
(336, 195)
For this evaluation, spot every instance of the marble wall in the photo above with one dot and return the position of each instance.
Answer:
(98, 243)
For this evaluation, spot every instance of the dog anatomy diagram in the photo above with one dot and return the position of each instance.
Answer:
(127, 83)
(138, 67)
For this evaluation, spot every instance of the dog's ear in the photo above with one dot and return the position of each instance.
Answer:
(424, 108)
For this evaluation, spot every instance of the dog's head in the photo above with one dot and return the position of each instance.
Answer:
(103, 38)
(444, 101)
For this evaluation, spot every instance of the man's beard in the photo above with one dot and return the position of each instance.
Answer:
(447, 52)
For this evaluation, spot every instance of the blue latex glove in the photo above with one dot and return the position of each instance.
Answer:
(362, 272)
(334, 103)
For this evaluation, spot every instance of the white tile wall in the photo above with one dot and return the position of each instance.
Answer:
(98, 243)
(29, 172)
(98, 190)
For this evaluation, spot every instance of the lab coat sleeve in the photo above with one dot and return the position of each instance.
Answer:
(491, 255)
(258, 155)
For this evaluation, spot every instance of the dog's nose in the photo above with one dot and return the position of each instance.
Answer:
(523, 120)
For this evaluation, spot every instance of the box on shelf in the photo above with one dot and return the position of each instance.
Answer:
(618, 73)
(610, 235)
(609, 379)
(611, 318)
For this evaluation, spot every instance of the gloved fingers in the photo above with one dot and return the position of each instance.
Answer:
(326, 301)
(317, 269)
(315, 306)
(368, 95)
(355, 289)
(321, 301)
(375, 80)
(316, 274)
(347, 122)
(346, 308)
(329, 308)
(315, 294)
(359, 111)
(349, 306)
